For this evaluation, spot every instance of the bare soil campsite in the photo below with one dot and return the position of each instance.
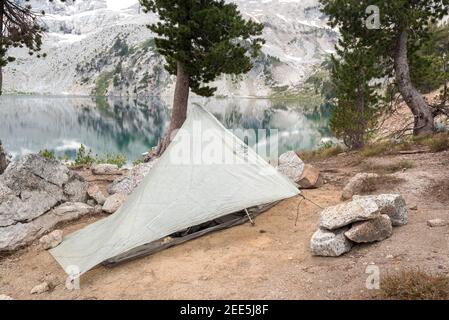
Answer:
(272, 259)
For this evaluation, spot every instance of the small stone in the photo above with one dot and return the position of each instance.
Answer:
(327, 243)
(95, 193)
(105, 169)
(4, 297)
(91, 203)
(434, 223)
(51, 240)
(390, 256)
(114, 202)
(414, 208)
(40, 288)
(371, 231)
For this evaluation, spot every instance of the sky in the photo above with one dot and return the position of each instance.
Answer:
(120, 4)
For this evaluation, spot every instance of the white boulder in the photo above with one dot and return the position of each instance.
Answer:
(357, 185)
(291, 166)
(393, 205)
(327, 243)
(345, 214)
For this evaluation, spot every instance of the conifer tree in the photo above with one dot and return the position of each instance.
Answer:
(358, 102)
(403, 25)
(200, 40)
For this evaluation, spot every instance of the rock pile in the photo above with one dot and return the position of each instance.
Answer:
(363, 220)
(36, 194)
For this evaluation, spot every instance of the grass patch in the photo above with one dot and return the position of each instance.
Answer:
(414, 285)
(389, 167)
(306, 98)
(85, 157)
(437, 143)
(48, 154)
(322, 153)
(117, 159)
(385, 148)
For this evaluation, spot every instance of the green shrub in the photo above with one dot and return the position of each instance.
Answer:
(137, 162)
(117, 159)
(84, 157)
(47, 154)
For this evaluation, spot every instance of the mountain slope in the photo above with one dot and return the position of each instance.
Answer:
(103, 47)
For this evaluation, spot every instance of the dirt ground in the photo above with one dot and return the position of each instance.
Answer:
(270, 260)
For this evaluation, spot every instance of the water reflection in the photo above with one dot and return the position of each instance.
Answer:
(130, 127)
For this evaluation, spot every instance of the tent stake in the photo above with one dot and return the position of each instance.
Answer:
(249, 217)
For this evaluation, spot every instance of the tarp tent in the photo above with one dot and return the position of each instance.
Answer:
(205, 173)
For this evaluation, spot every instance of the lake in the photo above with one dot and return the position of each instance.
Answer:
(131, 127)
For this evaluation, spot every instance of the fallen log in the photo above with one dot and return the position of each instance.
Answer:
(414, 151)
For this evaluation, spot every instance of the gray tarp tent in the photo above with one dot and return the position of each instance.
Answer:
(206, 173)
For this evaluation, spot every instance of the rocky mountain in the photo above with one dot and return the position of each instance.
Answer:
(102, 47)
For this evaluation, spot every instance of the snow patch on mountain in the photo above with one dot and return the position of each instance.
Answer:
(104, 47)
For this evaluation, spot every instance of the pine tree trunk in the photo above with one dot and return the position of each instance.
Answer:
(181, 99)
(424, 119)
(179, 111)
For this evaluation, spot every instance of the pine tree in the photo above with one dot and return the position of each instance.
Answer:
(201, 40)
(20, 27)
(430, 66)
(355, 77)
(403, 24)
